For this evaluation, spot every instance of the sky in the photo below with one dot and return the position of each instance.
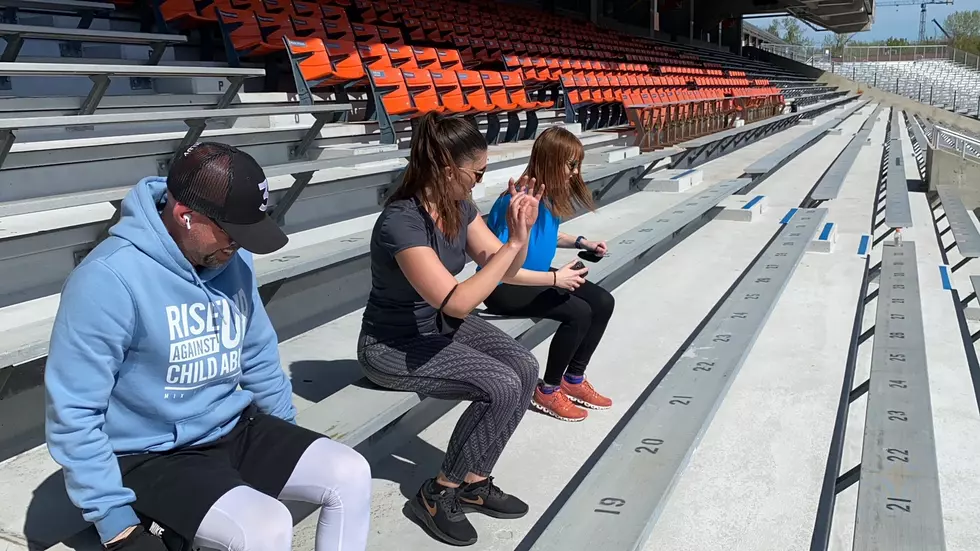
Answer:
(900, 22)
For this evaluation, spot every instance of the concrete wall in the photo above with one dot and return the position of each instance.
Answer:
(948, 169)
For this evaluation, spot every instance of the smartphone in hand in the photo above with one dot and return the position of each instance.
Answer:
(589, 256)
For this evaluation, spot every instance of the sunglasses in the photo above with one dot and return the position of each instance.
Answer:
(572, 165)
(477, 173)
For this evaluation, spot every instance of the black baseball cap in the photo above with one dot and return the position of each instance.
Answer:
(227, 185)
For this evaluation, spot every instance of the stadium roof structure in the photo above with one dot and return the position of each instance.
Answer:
(839, 16)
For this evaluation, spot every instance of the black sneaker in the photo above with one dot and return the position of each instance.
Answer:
(438, 508)
(485, 497)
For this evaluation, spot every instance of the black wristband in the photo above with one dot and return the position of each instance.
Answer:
(578, 241)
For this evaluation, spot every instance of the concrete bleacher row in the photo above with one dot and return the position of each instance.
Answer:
(333, 416)
(384, 410)
(50, 221)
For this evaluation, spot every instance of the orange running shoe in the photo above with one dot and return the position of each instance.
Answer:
(557, 405)
(584, 394)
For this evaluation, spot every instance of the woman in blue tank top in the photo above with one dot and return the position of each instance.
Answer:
(582, 307)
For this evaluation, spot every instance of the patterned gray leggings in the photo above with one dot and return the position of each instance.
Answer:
(478, 363)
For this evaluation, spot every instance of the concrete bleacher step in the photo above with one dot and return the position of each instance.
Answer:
(624, 490)
(674, 180)
(347, 427)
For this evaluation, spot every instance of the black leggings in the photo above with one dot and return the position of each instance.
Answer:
(583, 314)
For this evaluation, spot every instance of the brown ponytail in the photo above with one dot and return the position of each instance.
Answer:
(440, 143)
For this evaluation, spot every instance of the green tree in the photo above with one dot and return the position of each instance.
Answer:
(836, 42)
(964, 30)
(789, 29)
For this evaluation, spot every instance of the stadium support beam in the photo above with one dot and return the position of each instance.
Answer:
(690, 23)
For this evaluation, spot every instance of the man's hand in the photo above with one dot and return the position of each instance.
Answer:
(135, 538)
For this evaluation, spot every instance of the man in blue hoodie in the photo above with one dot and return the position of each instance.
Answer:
(165, 393)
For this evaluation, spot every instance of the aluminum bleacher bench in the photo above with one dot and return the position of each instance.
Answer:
(898, 503)
(196, 121)
(830, 183)
(302, 171)
(966, 238)
(86, 10)
(14, 35)
(621, 496)
(338, 417)
(100, 74)
(358, 411)
(29, 342)
(898, 212)
(787, 151)
(918, 134)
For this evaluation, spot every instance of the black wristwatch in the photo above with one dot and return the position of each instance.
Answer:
(578, 241)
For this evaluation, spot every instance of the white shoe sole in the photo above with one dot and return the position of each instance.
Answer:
(552, 413)
(585, 404)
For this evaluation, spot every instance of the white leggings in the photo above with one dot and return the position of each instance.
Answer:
(330, 474)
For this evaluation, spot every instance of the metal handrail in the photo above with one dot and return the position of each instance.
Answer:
(963, 144)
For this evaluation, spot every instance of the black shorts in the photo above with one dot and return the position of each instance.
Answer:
(176, 489)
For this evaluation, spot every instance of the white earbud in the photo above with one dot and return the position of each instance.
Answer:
(187, 221)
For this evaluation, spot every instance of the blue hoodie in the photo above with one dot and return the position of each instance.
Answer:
(147, 355)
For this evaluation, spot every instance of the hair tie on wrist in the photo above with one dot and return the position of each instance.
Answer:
(555, 274)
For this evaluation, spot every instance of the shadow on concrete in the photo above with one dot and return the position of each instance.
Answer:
(52, 519)
(316, 380)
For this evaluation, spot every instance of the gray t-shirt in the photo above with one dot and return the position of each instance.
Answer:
(394, 308)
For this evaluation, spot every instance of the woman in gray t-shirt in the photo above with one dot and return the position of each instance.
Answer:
(418, 333)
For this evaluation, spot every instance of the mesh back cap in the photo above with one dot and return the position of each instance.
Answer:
(227, 185)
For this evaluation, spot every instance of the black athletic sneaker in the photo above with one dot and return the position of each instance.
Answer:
(485, 497)
(438, 508)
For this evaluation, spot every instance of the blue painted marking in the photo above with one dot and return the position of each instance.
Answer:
(864, 245)
(825, 234)
(789, 215)
(752, 203)
(685, 173)
(944, 274)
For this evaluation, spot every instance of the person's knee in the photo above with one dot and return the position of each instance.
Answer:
(245, 519)
(526, 366)
(577, 313)
(278, 529)
(603, 304)
(353, 468)
(331, 474)
(508, 388)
